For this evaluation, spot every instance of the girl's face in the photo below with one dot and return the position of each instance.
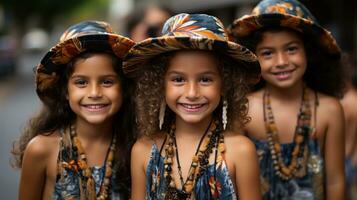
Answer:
(193, 85)
(94, 89)
(282, 58)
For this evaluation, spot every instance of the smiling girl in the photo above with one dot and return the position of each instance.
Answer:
(297, 121)
(78, 146)
(188, 95)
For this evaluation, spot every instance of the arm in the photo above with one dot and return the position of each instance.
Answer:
(247, 170)
(334, 152)
(138, 175)
(33, 173)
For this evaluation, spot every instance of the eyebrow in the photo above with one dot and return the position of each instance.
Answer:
(183, 73)
(287, 44)
(84, 76)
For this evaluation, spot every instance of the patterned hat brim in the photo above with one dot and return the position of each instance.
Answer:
(141, 53)
(246, 25)
(58, 56)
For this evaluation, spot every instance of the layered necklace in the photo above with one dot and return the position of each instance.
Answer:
(302, 133)
(210, 139)
(86, 181)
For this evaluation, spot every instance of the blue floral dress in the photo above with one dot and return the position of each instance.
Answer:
(67, 180)
(156, 186)
(308, 183)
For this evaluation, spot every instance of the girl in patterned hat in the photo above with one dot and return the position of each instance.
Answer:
(191, 85)
(297, 121)
(78, 147)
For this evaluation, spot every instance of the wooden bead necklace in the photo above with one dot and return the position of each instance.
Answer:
(199, 163)
(87, 184)
(302, 133)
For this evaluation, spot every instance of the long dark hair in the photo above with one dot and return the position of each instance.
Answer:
(58, 114)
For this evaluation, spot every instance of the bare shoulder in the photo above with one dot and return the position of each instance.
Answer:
(239, 145)
(329, 105)
(255, 97)
(145, 143)
(142, 144)
(349, 104)
(42, 146)
(255, 104)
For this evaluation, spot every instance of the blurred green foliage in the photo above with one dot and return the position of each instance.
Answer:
(48, 12)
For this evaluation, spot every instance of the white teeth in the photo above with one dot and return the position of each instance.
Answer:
(95, 106)
(283, 73)
(192, 106)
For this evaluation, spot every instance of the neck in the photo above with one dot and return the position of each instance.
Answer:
(93, 132)
(292, 93)
(191, 130)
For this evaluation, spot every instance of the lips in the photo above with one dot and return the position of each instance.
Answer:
(283, 75)
(192, 107)
(95, 107)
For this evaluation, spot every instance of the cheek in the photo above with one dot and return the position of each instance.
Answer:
(116, 94)
(74, 94)
(214, 93)
(264, 64)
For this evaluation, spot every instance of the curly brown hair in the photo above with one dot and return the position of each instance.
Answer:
(149, 93)
(324, 72)
(58, 114)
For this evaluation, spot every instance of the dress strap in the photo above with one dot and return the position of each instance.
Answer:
(316, 104)
(163, 144)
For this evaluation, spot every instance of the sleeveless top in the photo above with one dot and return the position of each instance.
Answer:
(67, 183)
(308, 182)
(156, 186)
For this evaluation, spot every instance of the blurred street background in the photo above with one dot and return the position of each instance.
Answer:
(29, 28)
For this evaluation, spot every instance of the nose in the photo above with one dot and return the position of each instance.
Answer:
(95, 91)
(282, 59)
(193, 91)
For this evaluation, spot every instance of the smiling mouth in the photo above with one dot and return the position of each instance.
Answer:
(283, 75)
(192, 107)
(95, 107)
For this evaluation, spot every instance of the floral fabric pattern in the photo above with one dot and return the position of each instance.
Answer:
(67, 181)
(284, 13)
(190, 32)
(81, 37)
(308, 183)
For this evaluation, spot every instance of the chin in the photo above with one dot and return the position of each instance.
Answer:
(193, 119)
(96, 120)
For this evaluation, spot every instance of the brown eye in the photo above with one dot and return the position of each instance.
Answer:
(80, 83)
(107, 82)
(177, 79)
(206, 79)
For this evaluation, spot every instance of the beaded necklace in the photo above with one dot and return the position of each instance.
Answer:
(86, 181)
(199, 163)
(302, 132)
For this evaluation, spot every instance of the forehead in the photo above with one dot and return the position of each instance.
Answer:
(94, 64)
(193, 61)
(277, 37)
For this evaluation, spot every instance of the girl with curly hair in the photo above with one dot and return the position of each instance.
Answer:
(78, 147)
(191, 86)
(300, 157)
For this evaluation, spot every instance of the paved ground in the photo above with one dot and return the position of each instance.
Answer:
(18, 102)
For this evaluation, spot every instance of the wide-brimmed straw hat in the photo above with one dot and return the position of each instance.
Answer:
(81, 37)
(284, 13)
(190, 32)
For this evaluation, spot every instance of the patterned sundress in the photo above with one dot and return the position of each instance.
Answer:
(67, 184)
(309, 185)
(156, 186)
